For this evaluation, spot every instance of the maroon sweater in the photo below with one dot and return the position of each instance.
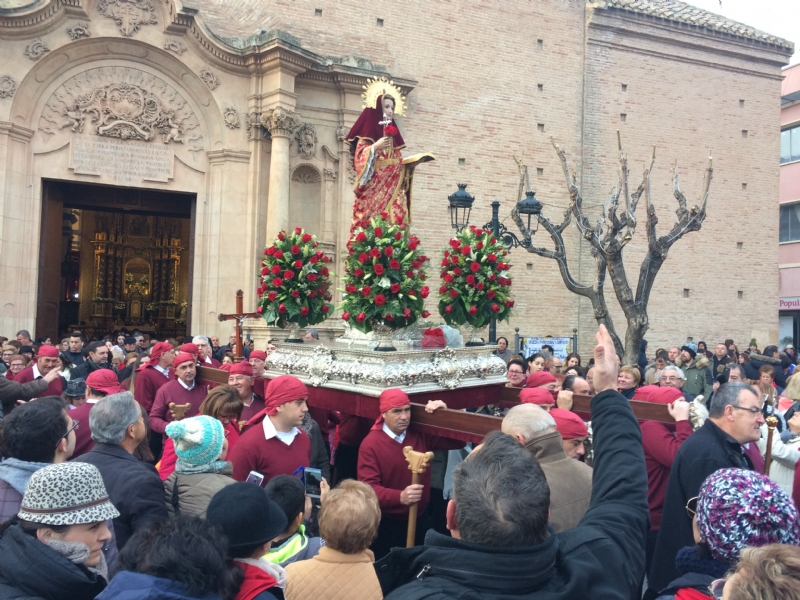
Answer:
(148, 381)
(173, 391)
(353, 429)
(83, 435)
(382, 465)
(248, 412)
(55, 388)
(270, 457)
(661, 444)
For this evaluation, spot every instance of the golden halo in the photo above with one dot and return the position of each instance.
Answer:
(378, 87)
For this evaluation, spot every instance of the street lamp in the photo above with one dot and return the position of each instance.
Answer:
(460, 207)
(531, 207)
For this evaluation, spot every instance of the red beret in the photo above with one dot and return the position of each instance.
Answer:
(49, 351)
(536, 396)
(539, 379)
(158, 350)
(258, 354)
(241, 368)
(104, 380)
(569, 425)
(190, 348)
(182, 358)
(281, 390)
(657, 395)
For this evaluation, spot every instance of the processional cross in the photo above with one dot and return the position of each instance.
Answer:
(239, 316)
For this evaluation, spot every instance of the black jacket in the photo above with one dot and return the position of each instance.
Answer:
(707, 450)
(133, 486)
(31, 570)
(759, 360)
(88, 366)
(603, 557)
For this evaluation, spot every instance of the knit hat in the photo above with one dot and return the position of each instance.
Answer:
(49, 351)
(536, 396)
(569, 425)
(198, 440)
(248, 518)
(69, 493)
(258, 354)
(539, 379)
(657, 394)
(691, 348)
(241, 368)
(104, 380)
(738, 509)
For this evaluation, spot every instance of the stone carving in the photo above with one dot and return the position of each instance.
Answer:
(341, 133)
(306, 140)
(330, 174)
(176, 46)
(306, 174)
(78, 31)
(36, 49)
(123, 103)
(254, 129)
(129, 15)
(351, 170)
(231, 118)
(209, 78)
(7, 86)
(279, 122)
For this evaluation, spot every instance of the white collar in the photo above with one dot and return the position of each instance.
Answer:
(287, 437)
(397, 438)
(208, 360)
(36, 372)
(262, 563)
(161, 370)
(92, 400)
(186, 387)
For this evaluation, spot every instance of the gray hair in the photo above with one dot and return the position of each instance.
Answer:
(673, 368)
(110, 418)
(527, 420)
(728, 394)
(201, 338)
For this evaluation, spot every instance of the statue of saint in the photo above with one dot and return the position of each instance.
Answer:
(383, 180)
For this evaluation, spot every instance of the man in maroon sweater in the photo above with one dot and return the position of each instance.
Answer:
(152, 376)
(46, 361)
(273, 443)
(181, 391)
(240, 376)
(661, 443)
(258, 360)
(383, 466)
(99, 384)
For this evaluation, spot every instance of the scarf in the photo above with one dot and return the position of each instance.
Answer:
(17, 472)
(259, 575)
(78, 552)
(185, 468)
(696, 559)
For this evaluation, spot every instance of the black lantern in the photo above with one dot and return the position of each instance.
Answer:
(531, 207)
(460, 207)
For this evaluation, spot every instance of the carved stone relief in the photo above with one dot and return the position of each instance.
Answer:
(231, 118)
(280, 122)
(254, 129)
(7, 86)
(330, 174)
(208, 77)
(306, 174)
(129, 15)
(341, 133)
(306, 140)
(78, 31)
(176, 46)
(123, 103)
(36, 49)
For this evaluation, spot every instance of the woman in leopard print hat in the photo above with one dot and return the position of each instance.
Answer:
(53, 548)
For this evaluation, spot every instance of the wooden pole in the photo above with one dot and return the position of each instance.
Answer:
(417, 463)
(239, 310)
(772, 423)
(412, 516)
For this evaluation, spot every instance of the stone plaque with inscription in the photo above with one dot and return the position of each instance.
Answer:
(121, 161)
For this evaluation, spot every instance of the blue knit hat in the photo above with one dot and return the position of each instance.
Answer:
(198, 440)
(691, 348)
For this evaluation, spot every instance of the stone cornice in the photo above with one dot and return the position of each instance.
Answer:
(16, 132)
(38, 18)
(221, 156)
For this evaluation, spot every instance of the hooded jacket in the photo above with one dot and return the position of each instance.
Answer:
(603, 557)
(757, 361)
(14, 476)
(699, 379)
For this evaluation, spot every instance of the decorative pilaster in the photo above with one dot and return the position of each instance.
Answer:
(280, 123)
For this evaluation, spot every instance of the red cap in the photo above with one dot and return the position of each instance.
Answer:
(241, 368)
(182, 358)
(657, 395)
(536, 396)
(259, 354)
(569, 425)
(104, 380)
(391, 398)
(226, 367)
(539, 379)
(190, 348)
(157, 350)
(281, 390)
(49, 351)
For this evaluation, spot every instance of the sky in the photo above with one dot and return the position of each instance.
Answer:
(777, 17)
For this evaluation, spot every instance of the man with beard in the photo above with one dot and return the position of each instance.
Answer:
(97, 359)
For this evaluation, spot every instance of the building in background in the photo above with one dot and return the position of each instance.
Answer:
(789, 251)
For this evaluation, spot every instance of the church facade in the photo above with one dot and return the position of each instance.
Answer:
(150, 149)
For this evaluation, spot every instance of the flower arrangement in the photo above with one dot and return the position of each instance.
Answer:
(295, 281)
(384, 277)
(475, 284)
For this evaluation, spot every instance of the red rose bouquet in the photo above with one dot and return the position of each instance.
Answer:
(475, 286)
(384, 277)
(295, 281)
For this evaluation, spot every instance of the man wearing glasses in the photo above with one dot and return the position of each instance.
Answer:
(672, 376)
(734, 419)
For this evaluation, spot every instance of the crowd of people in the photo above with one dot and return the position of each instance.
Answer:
(127, 476)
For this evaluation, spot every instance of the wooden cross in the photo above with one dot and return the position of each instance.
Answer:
(239, 316)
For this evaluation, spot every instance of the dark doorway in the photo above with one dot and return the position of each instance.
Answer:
(114, 258)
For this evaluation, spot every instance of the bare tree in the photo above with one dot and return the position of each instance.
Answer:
(607, 240)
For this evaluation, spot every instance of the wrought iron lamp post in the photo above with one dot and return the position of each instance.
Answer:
(460, 207)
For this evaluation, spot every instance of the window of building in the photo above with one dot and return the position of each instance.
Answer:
(790, 223)
(790, 144)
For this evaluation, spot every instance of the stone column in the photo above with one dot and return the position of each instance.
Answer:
(280, 123)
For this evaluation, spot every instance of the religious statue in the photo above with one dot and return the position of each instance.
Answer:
(383, 181)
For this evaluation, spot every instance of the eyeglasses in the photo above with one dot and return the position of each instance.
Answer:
(691, 507)
(716, 588)
(75, 424)
(752, 410)
(515, 372)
